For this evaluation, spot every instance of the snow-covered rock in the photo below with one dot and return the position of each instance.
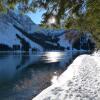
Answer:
(81, 81)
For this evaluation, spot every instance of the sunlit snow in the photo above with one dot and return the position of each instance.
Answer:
(81, 81)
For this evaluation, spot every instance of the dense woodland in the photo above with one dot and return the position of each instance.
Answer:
(83, 15)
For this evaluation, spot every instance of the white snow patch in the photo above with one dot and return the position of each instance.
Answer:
(80, 81)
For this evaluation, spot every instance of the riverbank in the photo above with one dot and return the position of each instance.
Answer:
(80, 81)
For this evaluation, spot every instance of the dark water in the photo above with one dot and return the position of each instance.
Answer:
(23, 76)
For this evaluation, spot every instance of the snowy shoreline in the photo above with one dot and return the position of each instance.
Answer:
(79, 82)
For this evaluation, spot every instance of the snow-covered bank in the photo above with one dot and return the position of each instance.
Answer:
(81, 81)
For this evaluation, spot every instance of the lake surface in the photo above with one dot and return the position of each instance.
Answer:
(23, 75)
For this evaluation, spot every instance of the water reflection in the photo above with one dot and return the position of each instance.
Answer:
(22, 76)
(51, 57)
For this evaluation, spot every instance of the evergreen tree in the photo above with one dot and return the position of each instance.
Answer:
(90, 21)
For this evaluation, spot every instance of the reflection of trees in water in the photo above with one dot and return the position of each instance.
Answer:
(24, 59)
(33, 79)
(30, 80)
(4, 55)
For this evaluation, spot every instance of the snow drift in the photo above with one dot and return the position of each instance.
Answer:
(81, 81)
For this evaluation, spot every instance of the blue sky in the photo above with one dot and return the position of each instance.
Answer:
(37, 16)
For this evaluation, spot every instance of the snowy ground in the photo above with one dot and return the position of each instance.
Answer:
(81, 81)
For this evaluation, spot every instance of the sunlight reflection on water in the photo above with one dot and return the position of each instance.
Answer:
(24, 75)
(54, 56)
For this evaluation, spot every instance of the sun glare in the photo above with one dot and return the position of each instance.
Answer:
(53, 56)
(52, 20)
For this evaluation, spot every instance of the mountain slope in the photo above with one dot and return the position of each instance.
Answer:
(17, 31)
(9, 34)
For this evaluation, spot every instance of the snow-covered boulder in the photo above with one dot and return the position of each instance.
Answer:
(81, 81)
